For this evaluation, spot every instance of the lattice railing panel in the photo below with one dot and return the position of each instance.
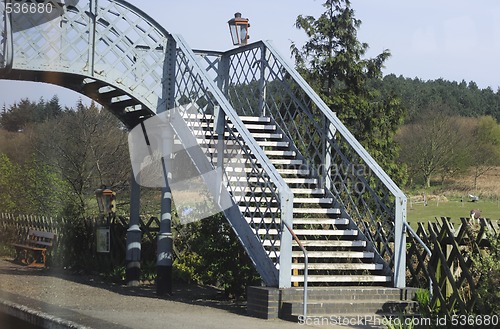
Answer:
(258, 81)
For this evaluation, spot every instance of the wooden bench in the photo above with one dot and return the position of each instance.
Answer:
(33, 251)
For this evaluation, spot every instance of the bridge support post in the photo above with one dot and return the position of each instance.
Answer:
(165, 241)
(400, 243)
(134, 236)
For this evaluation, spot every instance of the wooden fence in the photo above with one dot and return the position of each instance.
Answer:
(451, 269)
(76, 239)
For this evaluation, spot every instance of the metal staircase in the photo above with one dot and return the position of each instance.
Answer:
(337, 255)
(302, 165)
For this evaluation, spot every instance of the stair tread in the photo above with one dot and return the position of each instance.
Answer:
(307, 191)
(334, 254)
(286, 161)
(313, 200)
(292, 171)
(317, 221)
(339, 266)
(302, 232)
(296, 180)
(323, 243)
(324, 211)
(273, 144)
(342, 278)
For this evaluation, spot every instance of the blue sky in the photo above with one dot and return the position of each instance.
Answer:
(429, 39)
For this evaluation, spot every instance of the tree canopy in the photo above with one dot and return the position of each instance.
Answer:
(333, 62)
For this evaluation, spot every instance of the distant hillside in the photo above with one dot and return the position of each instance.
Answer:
(462, 98)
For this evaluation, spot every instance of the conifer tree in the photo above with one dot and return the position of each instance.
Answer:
(333, 62)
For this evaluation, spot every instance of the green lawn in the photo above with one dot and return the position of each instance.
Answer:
(454, 209)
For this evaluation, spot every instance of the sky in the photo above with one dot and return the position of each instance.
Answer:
(430, 39)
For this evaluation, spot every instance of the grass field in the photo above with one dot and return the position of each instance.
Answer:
(447, 201)
(455, 209)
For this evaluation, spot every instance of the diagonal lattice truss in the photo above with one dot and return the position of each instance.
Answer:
(258, 82)
(105, 49)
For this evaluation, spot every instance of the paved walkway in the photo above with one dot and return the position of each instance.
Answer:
(63, 300)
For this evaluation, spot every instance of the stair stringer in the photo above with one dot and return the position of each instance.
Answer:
(258, 255)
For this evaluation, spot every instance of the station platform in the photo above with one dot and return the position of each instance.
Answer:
(58, 300)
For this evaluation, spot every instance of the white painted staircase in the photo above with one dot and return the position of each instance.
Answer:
(337, 253)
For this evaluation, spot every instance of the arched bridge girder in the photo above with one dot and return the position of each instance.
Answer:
(107, 50)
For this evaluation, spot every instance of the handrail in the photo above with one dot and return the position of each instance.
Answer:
(306, 263)
(427, 250)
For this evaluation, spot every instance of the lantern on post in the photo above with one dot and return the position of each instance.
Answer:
(238, 27)
(106, 201)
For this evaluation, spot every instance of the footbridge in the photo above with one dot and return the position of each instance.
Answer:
(302, 167)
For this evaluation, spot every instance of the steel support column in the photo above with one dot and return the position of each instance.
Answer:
(285, 274)
(400, 243)
(134, 236)
(165, 242)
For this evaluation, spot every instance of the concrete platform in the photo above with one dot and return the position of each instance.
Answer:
(47, 299)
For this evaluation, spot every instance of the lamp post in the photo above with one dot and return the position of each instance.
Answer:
(238, 27)
(106, 200)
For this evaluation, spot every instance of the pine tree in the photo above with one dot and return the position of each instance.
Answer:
(333, 63)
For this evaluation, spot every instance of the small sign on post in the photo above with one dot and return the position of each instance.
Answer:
(103, 239)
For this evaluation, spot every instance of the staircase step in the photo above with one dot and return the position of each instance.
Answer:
(366, 313)
(342, 278)
(313, 200)
(265, 135)
(245, 118)
(273, 210)
(307, 191)
(272, 144)
(335, 254)
(302, 232)
(280, 153)
(347, 293)
(339, 266)
(312, 181)
(320, 221)
(286, 162)
(258, 127)
(208, 117)
(322, 211)
(228, 136)
(304, 221)
(292, 171)
(323, 243)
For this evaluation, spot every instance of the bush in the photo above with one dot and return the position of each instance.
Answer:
(211, 254)
(487, 265)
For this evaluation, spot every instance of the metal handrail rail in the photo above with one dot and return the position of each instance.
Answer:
(306, 264)
(427, 250)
